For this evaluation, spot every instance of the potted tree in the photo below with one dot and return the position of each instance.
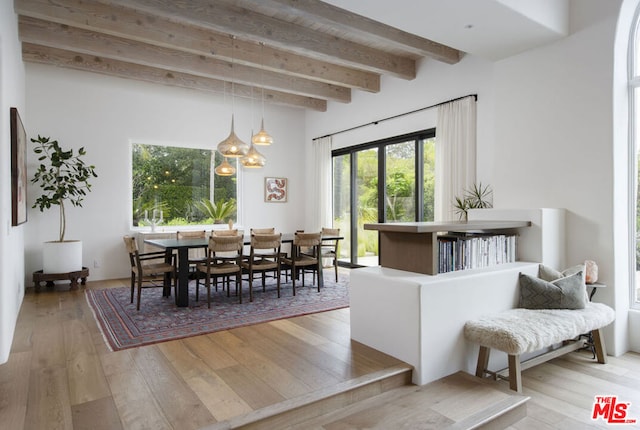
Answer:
(63, 177)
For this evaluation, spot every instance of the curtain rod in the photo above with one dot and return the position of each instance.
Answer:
(475, 96)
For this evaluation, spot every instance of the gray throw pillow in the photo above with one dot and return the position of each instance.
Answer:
(550, 274)
(564, 293)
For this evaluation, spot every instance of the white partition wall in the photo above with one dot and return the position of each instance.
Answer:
(419, 318)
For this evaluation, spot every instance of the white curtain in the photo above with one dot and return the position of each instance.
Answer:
(321, 211)
(455, 154)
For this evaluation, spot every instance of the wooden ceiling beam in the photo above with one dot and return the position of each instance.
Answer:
(57, 57)
(356, 26)
(140, 26)
(224, 16)
(87, 42)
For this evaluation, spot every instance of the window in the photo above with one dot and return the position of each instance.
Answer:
(171, 183)
(386, 181)
(634, 159)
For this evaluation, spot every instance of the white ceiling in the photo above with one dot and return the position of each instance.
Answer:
(491, 29)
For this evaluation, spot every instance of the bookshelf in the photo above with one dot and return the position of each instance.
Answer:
(464, 251)
(413, 246)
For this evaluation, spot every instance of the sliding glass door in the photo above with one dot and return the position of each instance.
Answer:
(385, 181)
(342, 203)
(367, 202)
(400, 179)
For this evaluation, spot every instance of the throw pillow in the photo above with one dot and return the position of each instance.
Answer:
(549, 274)
(568, 292)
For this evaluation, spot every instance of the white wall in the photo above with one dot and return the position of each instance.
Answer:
(554, 126)
(11, 238)
(105, 114)
(545, 133)
(435, 83)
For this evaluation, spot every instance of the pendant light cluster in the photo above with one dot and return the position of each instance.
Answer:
(233, 146)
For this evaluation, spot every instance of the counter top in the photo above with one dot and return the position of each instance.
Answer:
(431, 227)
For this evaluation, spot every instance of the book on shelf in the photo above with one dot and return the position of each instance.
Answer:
(465, 250)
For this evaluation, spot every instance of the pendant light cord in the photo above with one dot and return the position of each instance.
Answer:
(233, 95)
(262, 75)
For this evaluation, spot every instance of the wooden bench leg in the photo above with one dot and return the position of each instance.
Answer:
(483, 361)
(515, 375)
(598, 342)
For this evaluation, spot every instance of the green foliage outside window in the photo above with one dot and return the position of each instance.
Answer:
(175, 180)
(429, 179)
(367, 192)
(399, 194)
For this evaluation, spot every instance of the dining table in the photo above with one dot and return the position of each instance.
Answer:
(182, 246)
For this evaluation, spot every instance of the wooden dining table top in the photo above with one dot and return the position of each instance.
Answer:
(173, 243)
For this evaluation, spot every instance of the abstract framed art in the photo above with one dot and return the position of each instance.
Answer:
(18, 169)
(275, 190)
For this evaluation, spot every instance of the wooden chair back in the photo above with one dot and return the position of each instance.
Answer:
(271, 230)
(225, 244)
(131, 244)
(330, 231)
(191, 234)
(266, 241)
(219, 233)
(329, 249)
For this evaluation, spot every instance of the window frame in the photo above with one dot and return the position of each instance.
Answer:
(172, 228)
(417, 137)
(633, 70)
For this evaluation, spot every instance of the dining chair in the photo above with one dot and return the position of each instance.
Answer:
(196, 255)
(329, 248)
(227, 232)
(224, 258)
(264, 256)
(146, 268)
(305, 255)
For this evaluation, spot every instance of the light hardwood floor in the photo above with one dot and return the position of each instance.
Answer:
(60, 374)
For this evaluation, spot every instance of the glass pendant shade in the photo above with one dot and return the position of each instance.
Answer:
(225, 169)
(232, 146)
(253, 159)
(262, 137)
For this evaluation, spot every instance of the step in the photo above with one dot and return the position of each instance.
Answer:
(319, 402)
(456, 402)
(387, 399)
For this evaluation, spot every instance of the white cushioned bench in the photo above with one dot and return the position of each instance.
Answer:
(518, 331)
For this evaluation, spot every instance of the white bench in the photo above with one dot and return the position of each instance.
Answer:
(519, 331)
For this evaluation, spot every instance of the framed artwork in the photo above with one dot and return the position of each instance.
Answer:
(18, 169)
(275, 190)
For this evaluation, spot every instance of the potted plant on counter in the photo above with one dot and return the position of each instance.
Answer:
(477, 197)
(63, 178)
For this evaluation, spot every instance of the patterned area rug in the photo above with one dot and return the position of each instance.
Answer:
(160, 320)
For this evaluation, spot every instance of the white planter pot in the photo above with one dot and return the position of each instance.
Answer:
(62, 257)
